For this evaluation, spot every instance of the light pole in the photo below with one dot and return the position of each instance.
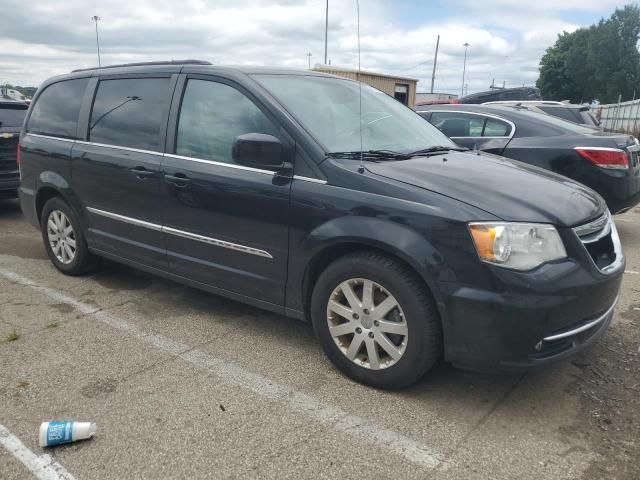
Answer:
(326, 30)
(309, 57)
(95, 18)
(464, 67)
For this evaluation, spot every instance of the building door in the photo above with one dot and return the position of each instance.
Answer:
(401, 93)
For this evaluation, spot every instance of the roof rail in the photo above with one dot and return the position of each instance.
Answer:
(142, 64)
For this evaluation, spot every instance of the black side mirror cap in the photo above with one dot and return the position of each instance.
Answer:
(258, 150)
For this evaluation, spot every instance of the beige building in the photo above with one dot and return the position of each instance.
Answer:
(402, 89)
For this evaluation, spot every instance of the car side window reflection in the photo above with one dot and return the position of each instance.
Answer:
(212, 115)
(461, 125)
(454, 124)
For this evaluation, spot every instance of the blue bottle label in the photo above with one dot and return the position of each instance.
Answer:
(59, 432)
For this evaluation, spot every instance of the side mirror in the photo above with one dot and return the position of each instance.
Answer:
(258, 150)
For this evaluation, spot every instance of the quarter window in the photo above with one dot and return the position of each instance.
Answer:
(56, 110)
(130, 112)
(496, 128)
(212, 115)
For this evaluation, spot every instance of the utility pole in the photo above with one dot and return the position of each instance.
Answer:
(464, 66)
(96, 18)
(309, 57)
(326, 31)
(435, 61)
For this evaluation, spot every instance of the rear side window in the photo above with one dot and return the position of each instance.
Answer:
(212, 115)
(56, 110)
(130, 112)
(454, 124)
(496, 128)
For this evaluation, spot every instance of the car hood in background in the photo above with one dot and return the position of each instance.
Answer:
(510, 190)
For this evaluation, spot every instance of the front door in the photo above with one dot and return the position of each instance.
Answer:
(116, 170)
(226, 225)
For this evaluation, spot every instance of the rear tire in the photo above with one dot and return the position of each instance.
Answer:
(64, 239)
(391, 348)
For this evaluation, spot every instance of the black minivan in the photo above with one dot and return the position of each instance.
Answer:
(319, 198)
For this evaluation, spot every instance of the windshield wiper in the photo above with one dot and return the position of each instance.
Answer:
(373, 155)
(436, 150)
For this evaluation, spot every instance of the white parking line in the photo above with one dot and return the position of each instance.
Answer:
(297, 402)
(42, 466)
(632, 272)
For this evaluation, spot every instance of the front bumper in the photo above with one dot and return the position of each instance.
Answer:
(535, 319)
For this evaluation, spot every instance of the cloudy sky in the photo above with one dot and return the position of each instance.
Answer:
(41, 38)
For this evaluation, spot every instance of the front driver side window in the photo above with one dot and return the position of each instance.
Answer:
(212, 115)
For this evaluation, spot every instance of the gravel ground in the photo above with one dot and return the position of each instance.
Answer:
(183, 384)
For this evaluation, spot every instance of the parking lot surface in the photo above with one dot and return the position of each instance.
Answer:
(184, 384)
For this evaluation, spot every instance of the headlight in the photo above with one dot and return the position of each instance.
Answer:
(520, 246)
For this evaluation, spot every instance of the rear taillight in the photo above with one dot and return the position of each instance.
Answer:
(605, 157)
(18, 155)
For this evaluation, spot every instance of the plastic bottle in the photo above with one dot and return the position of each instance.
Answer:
(57, 433)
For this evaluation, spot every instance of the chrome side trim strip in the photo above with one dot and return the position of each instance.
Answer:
(309, 179)
(220, 164)
(600, 149)
(584, 327)
(181, 233)
(118, 147)
(37, 135)
(217, 242)
(122, 218)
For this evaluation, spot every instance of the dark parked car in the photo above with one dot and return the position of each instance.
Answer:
(580, 114)
(253, 184)
(11, 117)
(605, 162)
(502, 94)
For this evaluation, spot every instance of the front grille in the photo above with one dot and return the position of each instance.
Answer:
(600, 239)
(8, 148)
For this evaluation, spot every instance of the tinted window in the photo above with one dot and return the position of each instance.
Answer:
(56, 110)
(12, 115)
(130, 112)
(459, 124)
(212, 115)
(454, 124)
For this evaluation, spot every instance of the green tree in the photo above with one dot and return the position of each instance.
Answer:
(594, 63)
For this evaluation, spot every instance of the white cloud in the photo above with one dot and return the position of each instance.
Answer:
(39, 39)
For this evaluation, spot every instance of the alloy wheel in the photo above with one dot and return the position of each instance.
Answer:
(367, 323)
(61, 236)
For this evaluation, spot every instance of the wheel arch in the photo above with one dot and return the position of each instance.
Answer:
(364, 234)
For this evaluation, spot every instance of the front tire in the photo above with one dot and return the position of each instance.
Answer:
(64, 239)
(376, 321)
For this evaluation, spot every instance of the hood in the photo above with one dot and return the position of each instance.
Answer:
(510, 190)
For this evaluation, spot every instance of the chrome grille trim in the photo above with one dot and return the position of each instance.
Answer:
(592, 227)
(597, 229)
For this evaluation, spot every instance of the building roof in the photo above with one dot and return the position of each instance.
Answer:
(331, 68)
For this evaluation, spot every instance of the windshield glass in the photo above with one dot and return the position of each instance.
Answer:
(12, 116)
(329, 109)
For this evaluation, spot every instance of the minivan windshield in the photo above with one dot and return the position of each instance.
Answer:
(12, 115)
(329, 109)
